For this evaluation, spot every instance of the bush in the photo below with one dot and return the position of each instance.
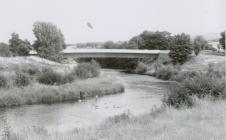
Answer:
(178, 97)
(141, 68)
(180, 53)
(21, 79)
(87, 70)
(50, 78)
(184, 75)
(165, 72)
(4, 50)
(53, 78)
(210, 84)
(3, 81)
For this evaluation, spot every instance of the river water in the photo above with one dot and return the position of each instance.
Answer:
(142, 94)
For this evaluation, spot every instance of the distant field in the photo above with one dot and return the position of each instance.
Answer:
(201, 62)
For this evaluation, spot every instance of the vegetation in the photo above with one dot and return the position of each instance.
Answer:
(38, 93)
(87, 70)
(165, 72)
(202, 122)
(222, 40)
(199, 44)
(21, 79)
(155, 40)
(209, 84)
(49, 40)
(141, 68)
(4, 50)
(19, 47)
(3, 81)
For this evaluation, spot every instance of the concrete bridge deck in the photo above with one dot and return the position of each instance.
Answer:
(111, 53)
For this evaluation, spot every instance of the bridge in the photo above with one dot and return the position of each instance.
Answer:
(110, 53)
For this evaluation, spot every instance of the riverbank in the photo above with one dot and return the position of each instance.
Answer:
(20, 82)
(37, 93)
(205, 121)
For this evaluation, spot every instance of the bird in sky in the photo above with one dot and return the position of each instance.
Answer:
(89, 25)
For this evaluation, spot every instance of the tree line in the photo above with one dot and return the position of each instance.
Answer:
(50, 42)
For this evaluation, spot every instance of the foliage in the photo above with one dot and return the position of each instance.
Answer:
(49, 40)
(3, 81)
(165, 72)
(178, 97)
(87, 70)
(154, 40)
(209, 84)
(53, 78)
(222, 40)
(18, 46)
(181, 39)
(180, 53)
(199, 44)
(4, 50)
(141, 68)
(21, 79)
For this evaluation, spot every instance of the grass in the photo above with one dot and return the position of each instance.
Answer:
(38, 93)
(205, 121)
(32, 80)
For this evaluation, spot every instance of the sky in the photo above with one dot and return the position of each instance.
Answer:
(116, 20)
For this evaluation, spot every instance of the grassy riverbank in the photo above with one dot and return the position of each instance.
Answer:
(205, 121)
(32, 80)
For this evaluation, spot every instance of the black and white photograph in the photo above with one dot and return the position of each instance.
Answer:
(112, 70)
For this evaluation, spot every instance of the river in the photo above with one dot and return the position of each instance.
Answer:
(142, 94)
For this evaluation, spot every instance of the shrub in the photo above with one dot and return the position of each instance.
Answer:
(210, 84)
(141, 68)
(180, 53)
(87, 70)
(184, 75)
(51, 78)
(4, 50)
(3, 81)
(21, 79)
(178, 97)
(165, 72)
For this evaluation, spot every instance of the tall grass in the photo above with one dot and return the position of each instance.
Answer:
(205, 121)
(209, 84)
(38, 93)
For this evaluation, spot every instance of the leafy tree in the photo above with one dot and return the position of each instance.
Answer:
(181, 48)
(18, 46)
(49, 40)
(222, 40)
(136, 42)
(155, 40)
(4, 50)
(199, 44)
(181, 39)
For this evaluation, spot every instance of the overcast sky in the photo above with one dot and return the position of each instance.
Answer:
(112, 19)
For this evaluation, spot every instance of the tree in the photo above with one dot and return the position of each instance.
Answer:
(4, 50)
(181, 39)
(181, 48)
(19, 47)
(136, 42)
(155, 40)
(222, 40)
(199, 44)
(49, 40)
